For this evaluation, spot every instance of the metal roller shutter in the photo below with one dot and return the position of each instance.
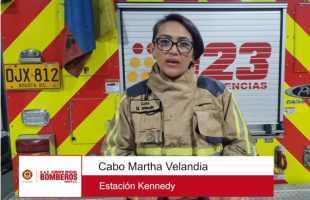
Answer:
(243, 48)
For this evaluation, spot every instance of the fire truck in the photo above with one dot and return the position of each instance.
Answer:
(259, 48)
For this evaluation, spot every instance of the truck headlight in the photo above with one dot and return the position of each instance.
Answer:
(35, 117)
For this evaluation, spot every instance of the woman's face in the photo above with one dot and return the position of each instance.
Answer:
(172, 62)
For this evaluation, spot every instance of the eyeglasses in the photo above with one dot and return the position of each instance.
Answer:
(165, 44)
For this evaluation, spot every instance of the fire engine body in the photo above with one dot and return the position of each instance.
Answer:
(260, 49)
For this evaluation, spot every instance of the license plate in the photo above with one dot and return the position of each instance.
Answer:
(32, 76)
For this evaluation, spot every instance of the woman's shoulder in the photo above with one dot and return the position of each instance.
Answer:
(137, 89)
(215, 87)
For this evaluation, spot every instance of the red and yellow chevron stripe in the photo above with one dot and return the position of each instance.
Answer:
(297, 133)
(40, 25)
(30, 29)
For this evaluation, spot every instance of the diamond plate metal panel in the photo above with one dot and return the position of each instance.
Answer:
(299, 191)
(292, 187)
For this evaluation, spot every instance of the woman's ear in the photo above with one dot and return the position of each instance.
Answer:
(191, 64)
(193, 58)
(153, 51)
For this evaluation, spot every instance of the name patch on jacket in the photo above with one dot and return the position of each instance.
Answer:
(141, 106)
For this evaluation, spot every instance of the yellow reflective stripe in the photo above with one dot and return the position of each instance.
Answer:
(241, 120)
(113, 150)
(180, 151)
(246, 133)
(202, 0)
(237, 122)
(151, 151)
(113, 131)
(301, 118)
(134, 198)
(210, 151)
(109, 145)
(116, 119)
(39, 34)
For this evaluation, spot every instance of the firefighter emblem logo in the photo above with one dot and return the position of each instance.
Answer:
(27, 174)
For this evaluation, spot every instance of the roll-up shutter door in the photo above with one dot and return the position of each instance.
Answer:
(243, 48)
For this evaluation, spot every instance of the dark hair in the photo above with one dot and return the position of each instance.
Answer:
(191, 28)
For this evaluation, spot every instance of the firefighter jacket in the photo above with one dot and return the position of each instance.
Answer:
(191, 115)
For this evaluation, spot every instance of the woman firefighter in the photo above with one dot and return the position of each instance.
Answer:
(176, 112)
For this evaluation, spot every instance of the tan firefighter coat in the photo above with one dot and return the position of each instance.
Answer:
(192, 115)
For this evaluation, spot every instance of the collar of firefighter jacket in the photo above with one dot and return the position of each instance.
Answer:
(162, 82)
(176, 97)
